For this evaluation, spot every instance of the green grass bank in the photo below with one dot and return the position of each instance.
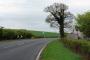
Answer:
(41, 34)
(56, 51)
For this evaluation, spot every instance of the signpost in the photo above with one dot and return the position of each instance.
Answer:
(43, 34)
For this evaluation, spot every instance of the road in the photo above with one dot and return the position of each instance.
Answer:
(22, 49)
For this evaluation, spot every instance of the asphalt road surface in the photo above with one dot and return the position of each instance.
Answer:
(22, 49)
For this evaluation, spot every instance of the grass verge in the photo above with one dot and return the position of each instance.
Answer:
(56, 51)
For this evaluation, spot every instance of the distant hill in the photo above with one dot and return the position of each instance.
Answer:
(44, 34)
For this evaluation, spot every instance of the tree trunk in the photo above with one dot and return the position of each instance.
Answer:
(61, 30)
(62, 24)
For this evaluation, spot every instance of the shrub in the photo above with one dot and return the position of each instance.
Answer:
(79, 46)
(16, 34)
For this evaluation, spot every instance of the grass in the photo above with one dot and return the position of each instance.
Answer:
(46, 34)
(57, 51)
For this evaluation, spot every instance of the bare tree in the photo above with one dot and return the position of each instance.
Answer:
(59, 17)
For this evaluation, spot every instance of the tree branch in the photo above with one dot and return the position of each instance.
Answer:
(55, 16)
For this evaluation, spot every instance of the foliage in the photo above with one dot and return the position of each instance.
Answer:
(9, 34)
(58, 13)
(79, 46)
(24, 34)
(1, 32)
(15, 34)
(83, 22)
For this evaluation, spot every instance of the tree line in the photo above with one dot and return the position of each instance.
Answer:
(14, 34)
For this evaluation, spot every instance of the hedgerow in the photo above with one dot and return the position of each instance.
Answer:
(15, 34)
(79, 46)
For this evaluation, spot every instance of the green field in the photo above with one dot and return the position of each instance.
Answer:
(44, 34)
(56, 51)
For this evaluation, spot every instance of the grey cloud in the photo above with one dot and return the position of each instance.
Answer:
(29, 14)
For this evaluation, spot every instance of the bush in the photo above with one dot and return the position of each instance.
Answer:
(15, 34)
(79, 46)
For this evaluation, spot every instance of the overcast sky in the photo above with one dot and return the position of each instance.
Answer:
(29, 14)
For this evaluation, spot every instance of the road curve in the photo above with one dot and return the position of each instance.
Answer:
(22, 49)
